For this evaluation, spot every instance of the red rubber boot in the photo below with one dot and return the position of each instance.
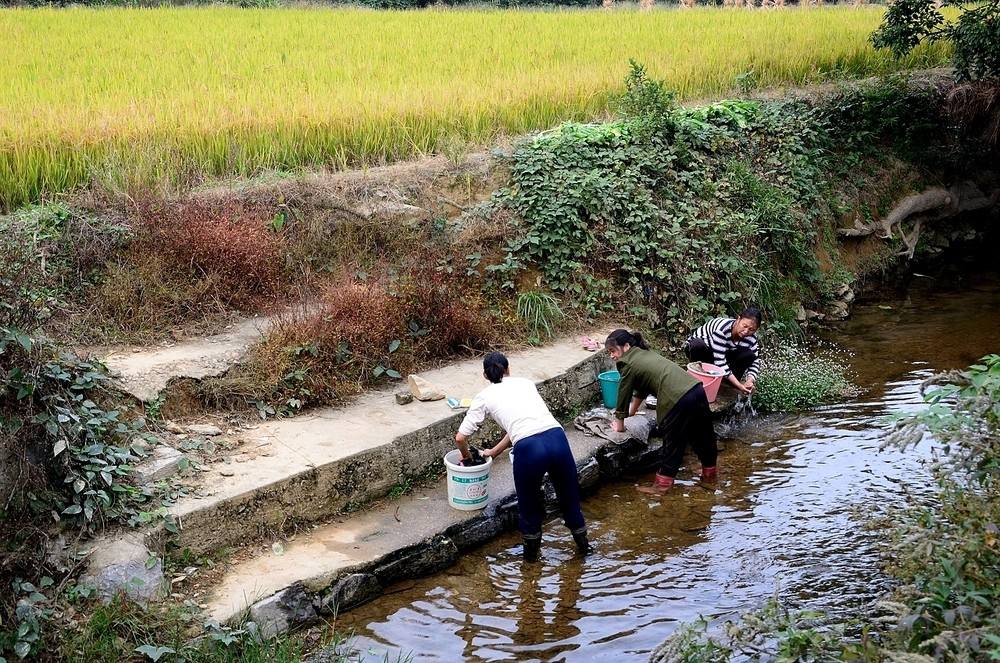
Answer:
(709, 474)
(661, 485)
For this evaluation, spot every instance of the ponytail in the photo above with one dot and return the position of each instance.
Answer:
(495, 366)
(619, 338)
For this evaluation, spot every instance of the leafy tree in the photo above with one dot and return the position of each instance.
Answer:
(974, 33)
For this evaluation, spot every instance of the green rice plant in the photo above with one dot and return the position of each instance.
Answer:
(795, 378)
(187, 94)
(540, 311)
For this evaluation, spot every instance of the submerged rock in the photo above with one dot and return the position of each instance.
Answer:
(350, 591)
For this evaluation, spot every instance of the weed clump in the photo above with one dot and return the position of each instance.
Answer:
(357, 334)
(191, 261)
(795, 378)
(229, 245)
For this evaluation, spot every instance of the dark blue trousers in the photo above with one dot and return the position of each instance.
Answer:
(543, 452)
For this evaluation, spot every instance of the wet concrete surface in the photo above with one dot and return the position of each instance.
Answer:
(788, 516)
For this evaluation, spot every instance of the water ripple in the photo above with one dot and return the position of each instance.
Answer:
(787, 515)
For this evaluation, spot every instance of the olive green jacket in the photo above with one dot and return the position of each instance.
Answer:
(643, 373)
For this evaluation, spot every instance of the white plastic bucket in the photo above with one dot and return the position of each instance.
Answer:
(468, 487)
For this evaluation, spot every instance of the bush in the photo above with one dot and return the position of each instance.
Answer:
(794, 378)
(695, 210)
(948, 554)
(973, 30)
(65, 458)
(359, 333)
(48, 253)
(236, 247)
(184, 263)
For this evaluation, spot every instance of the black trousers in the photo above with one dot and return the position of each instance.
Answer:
(533, 456)
(689, 422)
(739, 360)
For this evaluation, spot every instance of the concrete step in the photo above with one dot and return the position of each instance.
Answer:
(145, 372)
(347, 562)
(314, 466)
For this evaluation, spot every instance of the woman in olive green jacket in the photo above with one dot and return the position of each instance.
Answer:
(682, 413)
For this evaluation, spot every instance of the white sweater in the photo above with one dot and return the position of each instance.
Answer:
(515, 405)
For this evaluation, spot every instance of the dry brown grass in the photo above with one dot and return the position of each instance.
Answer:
(976, 105)
(359, 333)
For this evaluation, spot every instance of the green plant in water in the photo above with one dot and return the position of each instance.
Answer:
(795, 378)
(772, 632)
(540, 312)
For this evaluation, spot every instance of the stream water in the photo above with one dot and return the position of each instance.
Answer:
(787, 516)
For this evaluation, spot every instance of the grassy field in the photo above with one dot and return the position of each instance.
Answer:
(131, 98)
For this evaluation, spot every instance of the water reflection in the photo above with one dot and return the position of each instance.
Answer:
(788, 513)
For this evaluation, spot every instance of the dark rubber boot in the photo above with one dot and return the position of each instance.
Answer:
(532, 548)
(582, 544)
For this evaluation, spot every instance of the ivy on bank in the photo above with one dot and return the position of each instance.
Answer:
(687, 213)
(684, 211)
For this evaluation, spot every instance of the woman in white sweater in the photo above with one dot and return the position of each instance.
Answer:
(539, 447)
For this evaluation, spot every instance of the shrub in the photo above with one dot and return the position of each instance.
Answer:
(359, 333)
(794, 378)
(65, 458)
(973, 30)
(694, 210)
(48, 253)
(184, 263)
(236, 247)
(948, 553)
(446, 313)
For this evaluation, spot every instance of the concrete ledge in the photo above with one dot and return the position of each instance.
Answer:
(334, 460)
(344, 564)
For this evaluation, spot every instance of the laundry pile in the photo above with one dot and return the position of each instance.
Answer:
(597, 421)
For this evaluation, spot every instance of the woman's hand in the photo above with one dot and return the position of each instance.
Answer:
(617, 425)
(500, 447)
(740, 387)
(749, 385)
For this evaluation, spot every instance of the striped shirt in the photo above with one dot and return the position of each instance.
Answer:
(718, 334)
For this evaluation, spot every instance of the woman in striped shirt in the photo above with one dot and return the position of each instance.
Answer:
(730, 344)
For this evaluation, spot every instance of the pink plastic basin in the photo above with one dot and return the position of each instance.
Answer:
(710, 376)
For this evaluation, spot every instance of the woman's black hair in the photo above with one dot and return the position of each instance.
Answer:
(753, 313)
(495, 366)
(619, 337)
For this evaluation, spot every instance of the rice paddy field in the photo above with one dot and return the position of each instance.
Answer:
(169, 97)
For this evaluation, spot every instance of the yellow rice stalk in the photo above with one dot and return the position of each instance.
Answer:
(167, 97)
